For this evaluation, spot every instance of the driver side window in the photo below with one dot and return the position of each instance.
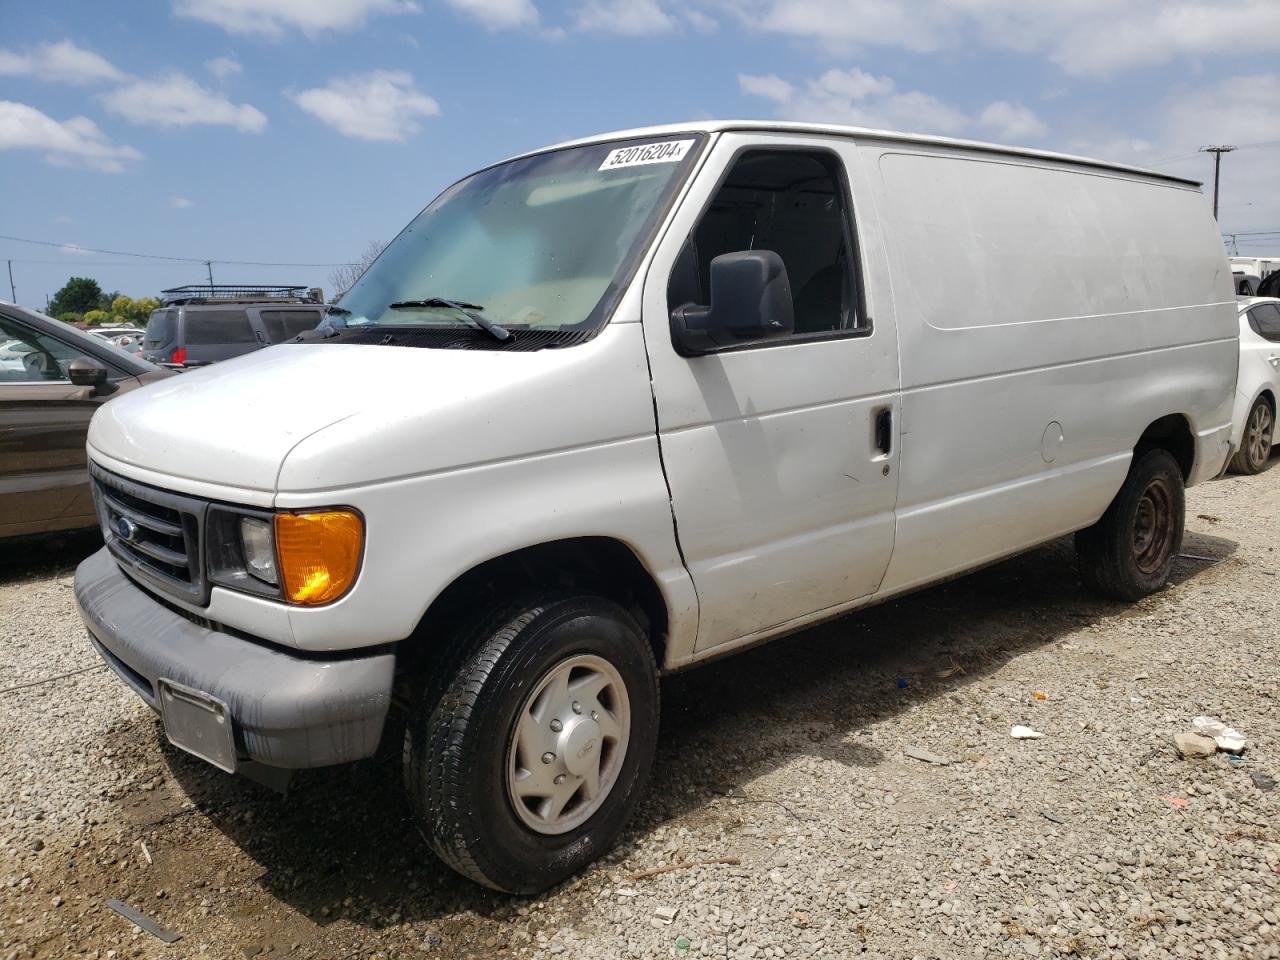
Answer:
(793, 203)
(30, 357)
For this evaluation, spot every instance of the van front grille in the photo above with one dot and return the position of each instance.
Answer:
(155, 534)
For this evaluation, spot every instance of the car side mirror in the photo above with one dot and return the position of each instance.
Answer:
(87, 372)
(750, 300)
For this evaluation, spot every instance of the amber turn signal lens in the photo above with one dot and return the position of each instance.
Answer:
(319, 554)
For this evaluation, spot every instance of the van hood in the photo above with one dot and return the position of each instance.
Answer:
(402, 411)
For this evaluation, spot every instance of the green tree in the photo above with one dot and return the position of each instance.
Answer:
(144, 308)
(77, 295)
(122, 307)
(97, 317)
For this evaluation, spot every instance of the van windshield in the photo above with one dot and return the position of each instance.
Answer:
(545, 242)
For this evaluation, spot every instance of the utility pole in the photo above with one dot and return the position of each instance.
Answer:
(1217, 152)
(209, 263)
(13, 294)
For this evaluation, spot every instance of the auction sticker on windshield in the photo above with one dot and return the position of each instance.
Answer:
(669, 151)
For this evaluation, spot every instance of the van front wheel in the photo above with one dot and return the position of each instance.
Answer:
(1129, 553)
(528, 763)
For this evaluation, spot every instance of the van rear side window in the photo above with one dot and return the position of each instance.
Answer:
(160, 329)
(218, 326)
(283, 324)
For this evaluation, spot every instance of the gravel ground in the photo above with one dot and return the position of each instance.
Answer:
(783, 795)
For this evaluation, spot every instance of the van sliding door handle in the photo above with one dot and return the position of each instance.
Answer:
(884, 430)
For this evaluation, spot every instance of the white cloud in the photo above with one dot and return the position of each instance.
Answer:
(74, 142)
(224, 67)
(175, 100)
(1012, 122)
(769, 85)
(181, 203)
(635, 18)
(499, 14)
(277, 17)
(381, 105)
(699, 20)
(61, 62)
(1096, 38)
(857, 98)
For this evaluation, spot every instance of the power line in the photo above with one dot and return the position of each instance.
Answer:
(158, 256)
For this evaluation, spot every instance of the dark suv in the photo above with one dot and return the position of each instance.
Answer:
(202, 324)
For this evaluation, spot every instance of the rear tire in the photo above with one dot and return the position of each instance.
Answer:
(1129, 553)
(1256, 440)
(566, 677)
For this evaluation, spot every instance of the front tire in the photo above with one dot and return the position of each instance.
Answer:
(1255, 442)
(1129, 553)
(528, 763)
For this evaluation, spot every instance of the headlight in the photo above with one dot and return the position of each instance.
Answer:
(302, 558)
(319, 554)
(259, 549)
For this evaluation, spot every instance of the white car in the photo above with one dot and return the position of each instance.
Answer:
(618, 406)
(1258, 384)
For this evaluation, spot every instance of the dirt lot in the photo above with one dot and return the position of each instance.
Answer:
(787, 763)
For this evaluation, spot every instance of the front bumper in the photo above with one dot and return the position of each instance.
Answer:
(288, 711)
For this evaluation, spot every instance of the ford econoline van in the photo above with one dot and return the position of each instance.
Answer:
(614, 407)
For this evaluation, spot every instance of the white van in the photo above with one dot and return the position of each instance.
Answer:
(621, 405)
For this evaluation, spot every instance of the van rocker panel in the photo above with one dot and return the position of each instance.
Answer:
(289, 712)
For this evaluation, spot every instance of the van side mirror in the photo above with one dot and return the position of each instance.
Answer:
(87, 372)
(750, 300)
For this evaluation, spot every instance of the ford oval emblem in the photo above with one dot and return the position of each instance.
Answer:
(124, 528)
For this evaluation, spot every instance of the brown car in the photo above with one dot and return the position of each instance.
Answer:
(52, 379)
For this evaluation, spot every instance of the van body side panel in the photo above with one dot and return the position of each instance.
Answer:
(783, 504)
(1062, 311)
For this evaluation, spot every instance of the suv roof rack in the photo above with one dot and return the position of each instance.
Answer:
(241, 293)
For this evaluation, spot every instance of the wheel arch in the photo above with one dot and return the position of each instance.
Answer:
(597, 564)
(1173, 434)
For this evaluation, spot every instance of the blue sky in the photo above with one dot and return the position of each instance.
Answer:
(297, 131)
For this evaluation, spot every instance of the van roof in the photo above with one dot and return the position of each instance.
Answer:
(831, 129)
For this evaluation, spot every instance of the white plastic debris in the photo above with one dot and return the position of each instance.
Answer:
(1020, 732)
(666, 914)
(1227, 738)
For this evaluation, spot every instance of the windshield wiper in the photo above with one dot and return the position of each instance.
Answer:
(498, 332)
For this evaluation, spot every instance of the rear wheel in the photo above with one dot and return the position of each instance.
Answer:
(1255, 443)
(528, 763)
(1129, 553)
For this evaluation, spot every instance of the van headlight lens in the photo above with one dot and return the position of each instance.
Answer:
(318, 554)
(259, 549)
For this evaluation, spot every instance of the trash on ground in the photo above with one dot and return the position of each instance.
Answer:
(1020, 732)
(682, 945)
(1192, 745)
(949, 886)
(145, 852)
(143, 921)
(800, 918)
(1227, 739)
(919, 753)
(902, 683)
(1039, 695)
(666, 914)
(626, 892)
(1178, 802)
(1262, 781)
